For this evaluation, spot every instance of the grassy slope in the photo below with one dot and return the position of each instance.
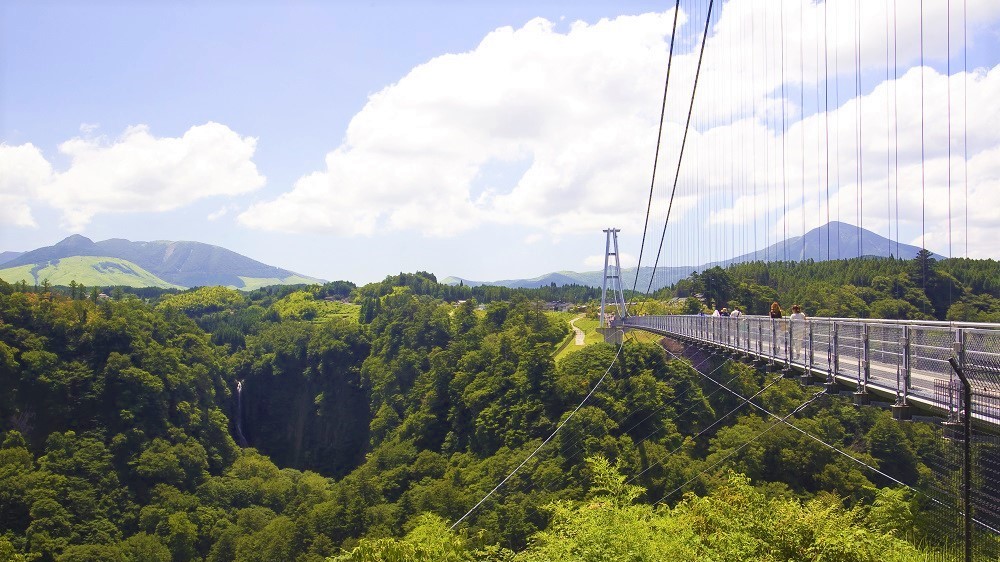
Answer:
(589, 327)
(86, 270)
(106, 271)
(332, 309)
(301, 305)
(591, 335)
(251, 283)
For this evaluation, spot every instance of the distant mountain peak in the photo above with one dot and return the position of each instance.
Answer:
(74, 241)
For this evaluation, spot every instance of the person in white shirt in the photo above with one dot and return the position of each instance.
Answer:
(797, 324)
(735, 313)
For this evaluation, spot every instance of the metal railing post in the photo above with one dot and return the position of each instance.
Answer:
(907, 367)
(774, 340)
(788, 346)
(835, 341)
(959, 354)
(866, 358)
(967, 456)
(812, 359)
(760, 339)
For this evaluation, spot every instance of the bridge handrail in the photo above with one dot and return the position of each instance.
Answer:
(941, 323)
(900, 358)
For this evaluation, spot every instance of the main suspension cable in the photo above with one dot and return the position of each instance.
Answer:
(656, 155)
(680, 157)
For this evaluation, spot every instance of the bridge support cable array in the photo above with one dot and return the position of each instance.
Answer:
(718, 420)
(787, 97)
(543, 443)
(774, 424)
(659, 138)
(735, 153)
(578, 450)
(680, 157)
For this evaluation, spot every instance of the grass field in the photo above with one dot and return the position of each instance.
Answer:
(251, 283)
(589, 327)
(329, 310)
(86, 270)
(591, 335)
(301, 305)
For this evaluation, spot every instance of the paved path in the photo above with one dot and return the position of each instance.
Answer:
(579, 333)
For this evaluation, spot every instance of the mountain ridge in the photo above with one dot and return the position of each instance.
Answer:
(178, 263)
(8, 255)
(834, 240)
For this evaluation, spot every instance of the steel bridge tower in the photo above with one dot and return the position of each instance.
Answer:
(612, 277)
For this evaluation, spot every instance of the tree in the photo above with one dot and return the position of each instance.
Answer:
(717, 287)
(692, 306)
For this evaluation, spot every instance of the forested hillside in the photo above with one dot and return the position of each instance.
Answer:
(362, 430)
(922, 288)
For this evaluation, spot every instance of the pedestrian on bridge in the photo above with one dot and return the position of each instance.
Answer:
(797, 325)
(775, 310)
(797, 313)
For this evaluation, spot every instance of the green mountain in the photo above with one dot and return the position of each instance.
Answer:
(161, 263)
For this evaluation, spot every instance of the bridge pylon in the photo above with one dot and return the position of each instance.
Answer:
(612, 281)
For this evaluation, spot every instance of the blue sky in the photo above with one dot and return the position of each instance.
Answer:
(351, 140)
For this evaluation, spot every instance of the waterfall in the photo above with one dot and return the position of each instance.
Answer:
(239, 414)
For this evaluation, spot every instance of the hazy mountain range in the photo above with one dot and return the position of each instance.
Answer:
(164, 263)
(160, 263)
(834, 240)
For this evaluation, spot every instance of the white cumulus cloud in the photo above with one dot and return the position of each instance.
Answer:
(579, 105)
(574, 115)
(22, 170)
(136, 172)
(140, 172)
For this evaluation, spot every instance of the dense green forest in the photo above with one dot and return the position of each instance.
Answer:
(285, 424)
(955, 289)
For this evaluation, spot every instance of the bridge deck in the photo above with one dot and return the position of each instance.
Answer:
(906, 362)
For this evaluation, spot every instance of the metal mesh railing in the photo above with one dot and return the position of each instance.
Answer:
(885, 354)
(911, 362)
(908, 361)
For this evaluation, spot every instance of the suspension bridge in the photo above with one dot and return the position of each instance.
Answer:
(780, 118)
(762, 144)
(790, 112)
